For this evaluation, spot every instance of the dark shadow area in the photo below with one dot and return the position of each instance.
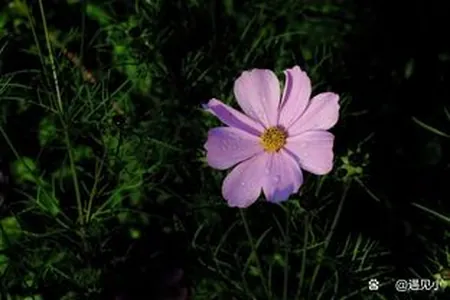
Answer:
(404, 166)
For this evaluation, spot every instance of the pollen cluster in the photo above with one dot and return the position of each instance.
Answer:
(273, 139)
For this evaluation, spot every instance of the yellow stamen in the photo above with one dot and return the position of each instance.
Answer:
(273, 139)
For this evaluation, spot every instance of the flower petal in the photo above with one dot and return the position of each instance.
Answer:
(322, 113)
(227, 146)
(258, 93)
(313, 150)
(284, 177)
(233, 117)
(296, 94)
(243, 185)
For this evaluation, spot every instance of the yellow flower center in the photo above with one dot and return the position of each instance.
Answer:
(273, 139)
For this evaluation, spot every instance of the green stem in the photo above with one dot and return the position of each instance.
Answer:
(287, 244)
(52, 61)
(74, 176)
(432, 212)
(254, 252)
(329, 236)
(94, 190)
(303, 266)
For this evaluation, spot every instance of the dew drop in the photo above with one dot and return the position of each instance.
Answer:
(224, 145)
(260, 113)
(277, 179)
(305, 155)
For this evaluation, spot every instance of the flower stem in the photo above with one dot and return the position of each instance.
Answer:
(329, 236)
(254, 252)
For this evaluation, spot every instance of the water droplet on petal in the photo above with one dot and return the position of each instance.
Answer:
(259, 113)
(277, 179)
(305, 154)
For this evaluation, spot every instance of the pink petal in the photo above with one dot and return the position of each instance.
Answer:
(258, 93)
(233, 118)
(296, 94)
(322, 113)
(227, 146)
(313, 150)
(243, 185)
(284, 177)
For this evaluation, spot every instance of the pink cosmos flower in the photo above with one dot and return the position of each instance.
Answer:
(275, 139)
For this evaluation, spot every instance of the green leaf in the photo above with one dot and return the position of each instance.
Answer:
(409, 68)
(47, 201)
(47, 131)
(24, 169)
(429, 128)
(9, 231)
